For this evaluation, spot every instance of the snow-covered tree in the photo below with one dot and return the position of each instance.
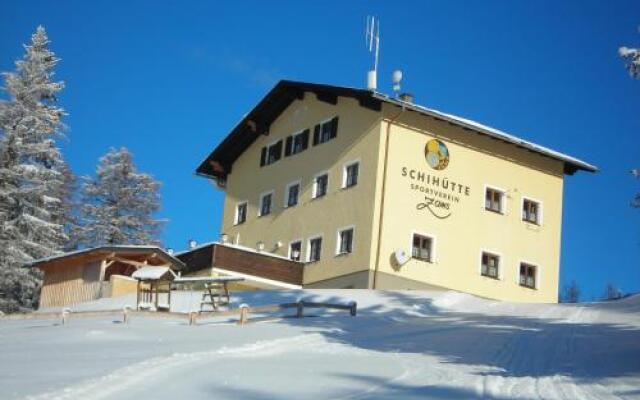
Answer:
(632, 59)
(119, 203)
(571, 293)
(30, 172)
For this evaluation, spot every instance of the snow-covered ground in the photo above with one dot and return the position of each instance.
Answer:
(402, 344)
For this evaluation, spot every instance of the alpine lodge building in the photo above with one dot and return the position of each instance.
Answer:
(370, 191)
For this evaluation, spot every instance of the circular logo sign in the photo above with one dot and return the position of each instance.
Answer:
(437, 154)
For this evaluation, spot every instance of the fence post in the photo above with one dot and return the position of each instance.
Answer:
(353, 308)
(125, 314)
(193, 315)
(244, 314)
(65, 315)
(300, 309)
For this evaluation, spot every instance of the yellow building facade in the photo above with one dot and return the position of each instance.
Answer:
(375, 192)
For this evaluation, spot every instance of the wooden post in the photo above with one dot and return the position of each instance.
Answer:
(193, 315)
(300, 309)
(353, 308)
(157, 294)
(65, 315)
(244, 314)
(138, 296)
(125, 314)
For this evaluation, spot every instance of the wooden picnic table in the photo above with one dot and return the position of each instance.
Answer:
(216, 290)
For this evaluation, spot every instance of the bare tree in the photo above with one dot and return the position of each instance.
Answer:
(571, 293)
(612, 292)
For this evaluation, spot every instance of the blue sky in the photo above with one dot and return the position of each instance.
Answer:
(170, 79)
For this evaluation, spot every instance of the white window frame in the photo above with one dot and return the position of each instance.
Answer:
(236, 215)
(353, 239)
(286, 192)
(538, 274)
(500, 264)
(344, 173)
(301, 241)
(308, 250)
(540, 210)
(262, 196)
(503, 201)
(314, 192)
(433, 246)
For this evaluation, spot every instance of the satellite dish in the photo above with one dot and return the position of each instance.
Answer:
(401, 256)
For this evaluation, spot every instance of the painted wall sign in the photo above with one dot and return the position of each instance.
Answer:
(439, 192)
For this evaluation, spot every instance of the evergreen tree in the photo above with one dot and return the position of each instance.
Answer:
(30, 172)
(119, 203)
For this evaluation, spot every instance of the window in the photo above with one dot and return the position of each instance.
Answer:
(528, 275)
(295, 249)
(490, 265)
(350, 177)
(315, 248)
(320, 185)
(345, 241)
(296, 143)
(325, 131)
(265, 203)
(531, 211)
(493, 200)
(271, 153)
(422, 247)
(241, 213)
(292, 194)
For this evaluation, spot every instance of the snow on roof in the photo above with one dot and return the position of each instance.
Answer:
(489, 131)
(114, 248)
(235, 246)
(152, 273)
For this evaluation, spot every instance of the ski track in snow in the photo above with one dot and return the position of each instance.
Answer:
(513, 365)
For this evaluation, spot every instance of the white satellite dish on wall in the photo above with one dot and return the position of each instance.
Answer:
(401, 256)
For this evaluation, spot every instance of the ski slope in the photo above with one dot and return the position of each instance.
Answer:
(402, 344)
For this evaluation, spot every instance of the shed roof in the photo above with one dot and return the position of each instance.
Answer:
(218, 164)
(127, 250)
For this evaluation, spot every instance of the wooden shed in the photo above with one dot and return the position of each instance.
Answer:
(90, 274)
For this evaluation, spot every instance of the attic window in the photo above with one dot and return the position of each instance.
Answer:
(271, 153)
(296, 143)
(325, 131)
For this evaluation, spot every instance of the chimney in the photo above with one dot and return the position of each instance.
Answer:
(406, 97)
(192, 244)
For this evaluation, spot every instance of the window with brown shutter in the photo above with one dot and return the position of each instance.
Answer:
(528, 275)
(531, 211)
(422, 248)
(493, 200)
(490, 265)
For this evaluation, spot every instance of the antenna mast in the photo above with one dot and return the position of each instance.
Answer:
(372, 38)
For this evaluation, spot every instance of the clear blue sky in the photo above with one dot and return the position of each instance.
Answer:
(170, 79)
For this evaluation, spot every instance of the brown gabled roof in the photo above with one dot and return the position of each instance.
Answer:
(104, 251)
(258, 121)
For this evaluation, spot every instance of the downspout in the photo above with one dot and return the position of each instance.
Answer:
(383, 191)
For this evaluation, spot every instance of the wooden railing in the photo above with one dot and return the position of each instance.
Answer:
(243, 312)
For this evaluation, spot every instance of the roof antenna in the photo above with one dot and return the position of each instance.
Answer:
(372, 38)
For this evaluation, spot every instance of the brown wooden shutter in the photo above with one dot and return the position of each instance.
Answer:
(305, 139)
(316, 134)
(334, 128)
(263, 156)
(288, 146)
